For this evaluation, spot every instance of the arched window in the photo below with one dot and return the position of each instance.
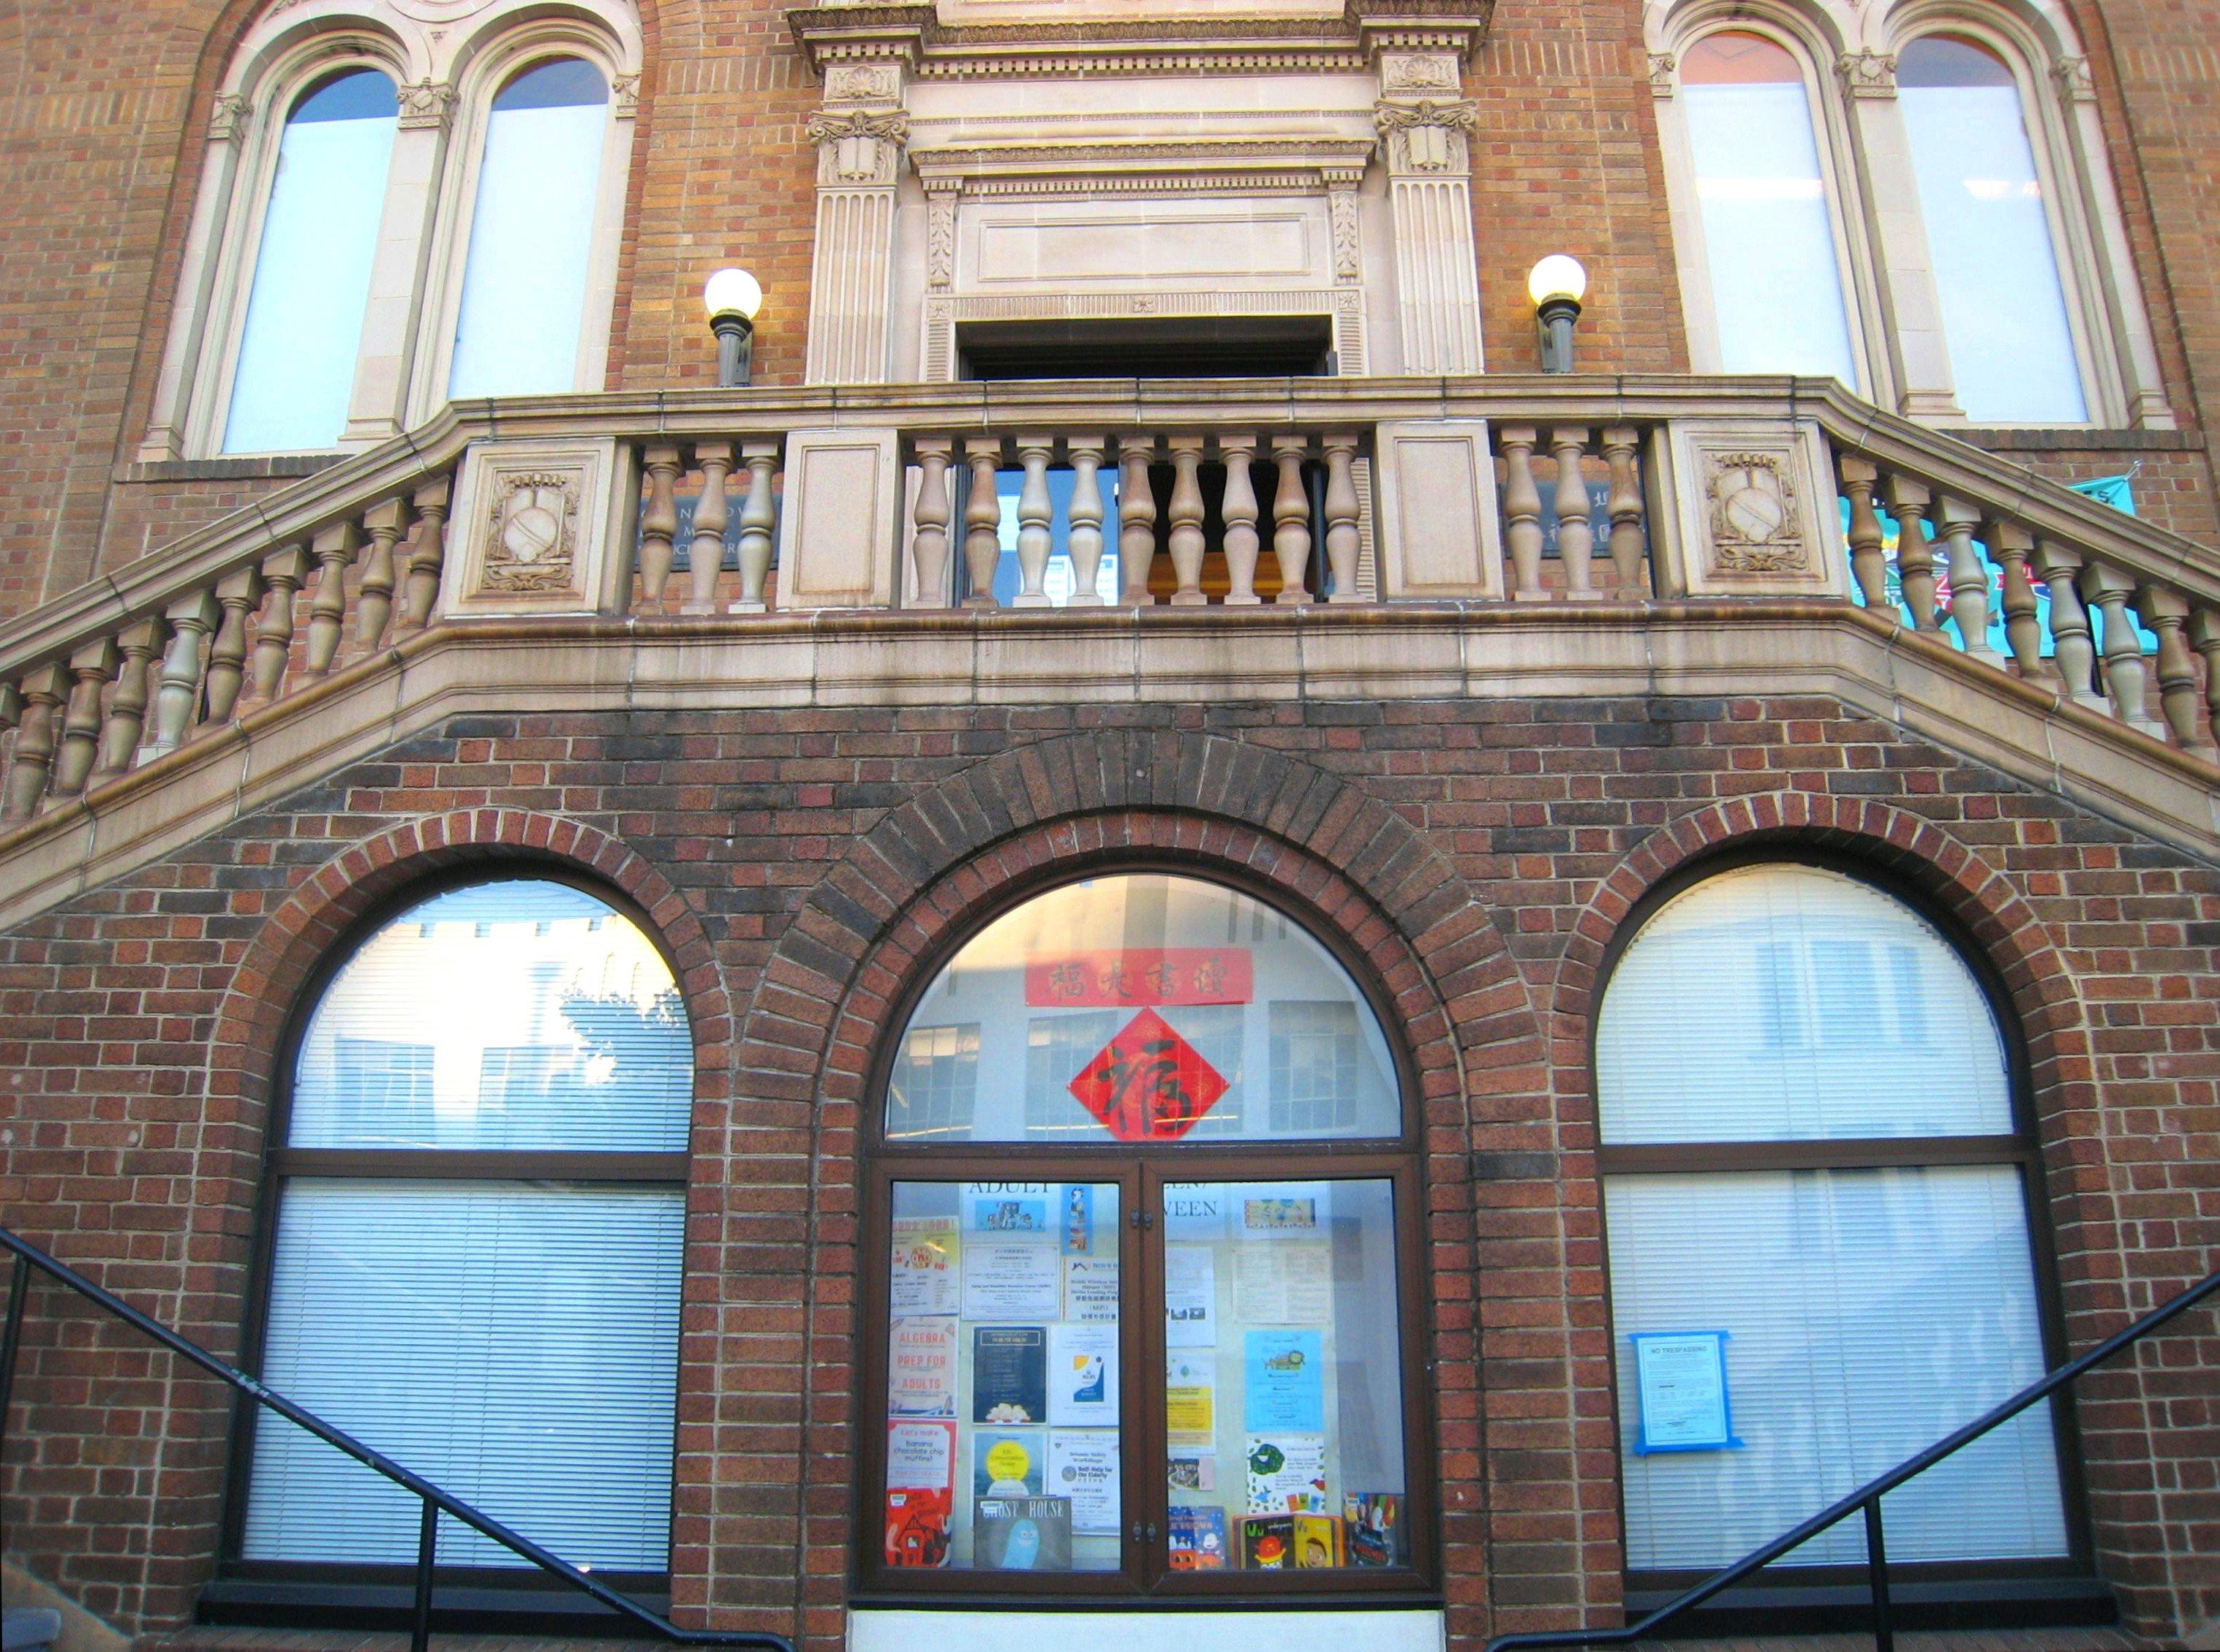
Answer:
(1989, 236)
(1144, 1090)
(442, 218)
(524, 287)
(297, 350)
(1817, 1192)
(1775, 278)
(479, 1235)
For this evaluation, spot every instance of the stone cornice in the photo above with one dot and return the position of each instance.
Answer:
(1407, 651)
(1170, 163)
(916, 35)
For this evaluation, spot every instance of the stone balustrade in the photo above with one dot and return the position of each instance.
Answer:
(1611, 499)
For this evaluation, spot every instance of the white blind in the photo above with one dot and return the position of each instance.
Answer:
(1790, 1003)
(1868, 1314)
(516, 1344)
(519, 1015)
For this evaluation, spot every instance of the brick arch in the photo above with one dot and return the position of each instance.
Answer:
(907, 889)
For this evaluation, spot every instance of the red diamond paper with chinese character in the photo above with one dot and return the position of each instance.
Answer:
(1148, 1084)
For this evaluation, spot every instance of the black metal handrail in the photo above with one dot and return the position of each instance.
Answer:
(1868, 1498)
(28, 1255)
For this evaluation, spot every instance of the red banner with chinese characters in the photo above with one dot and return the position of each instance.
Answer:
(1148, 1084)
(1137, 975)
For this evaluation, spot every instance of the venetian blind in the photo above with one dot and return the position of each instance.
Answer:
(1867, 1313)
(1789, 1003)
(516, 1344)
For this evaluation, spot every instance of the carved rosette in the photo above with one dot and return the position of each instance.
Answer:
(1867, 74)
(1755, 527)
(1415, 74)
(1426, 135)
(426, 104)
(857, 148)
(531, 534)
(863, 83)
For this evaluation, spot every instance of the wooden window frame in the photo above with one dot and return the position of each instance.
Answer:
(1145, 1579)
(282, 1164)
(2018, 1147)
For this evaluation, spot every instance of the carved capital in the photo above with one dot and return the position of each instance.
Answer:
(1661, 67)
(1425, 135)
(426, 104)
(858, 145)
(2076, 85)
(1867, 74)
(227, 119)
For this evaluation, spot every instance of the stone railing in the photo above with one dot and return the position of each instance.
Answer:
(1314, 495)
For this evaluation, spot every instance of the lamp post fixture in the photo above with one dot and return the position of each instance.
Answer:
(1556, 285)
(733, 297)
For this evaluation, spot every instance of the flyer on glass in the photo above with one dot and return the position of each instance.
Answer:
(928, 1269)
(1082, 1465)
(921, 1368)
(1190, 1296)
(1287, 1474)
(1012, 1280)
(1083, 1377)
(1283, 1382)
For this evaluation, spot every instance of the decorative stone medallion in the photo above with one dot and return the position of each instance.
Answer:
(537, 523)
(1753, 519)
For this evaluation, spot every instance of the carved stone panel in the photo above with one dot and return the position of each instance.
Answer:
(535, 529)
(1755, 518)
(1436, 502)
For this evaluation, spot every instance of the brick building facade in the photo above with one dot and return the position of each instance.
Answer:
(264, 704)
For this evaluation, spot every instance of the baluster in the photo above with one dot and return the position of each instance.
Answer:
(1621, 447)
(658, 521)
(1034, 515)
(1575, 534)
(1521, 512)
(43, 692)
(191, 619)
(1342, 540)
(2071, 643)
(1915, 561)
(1969, 581)
(2166, 613)
(1868, 560)
(373, 601)
(1291, 519)
(1137, 519)
(334, 547)
(2126, 679)
(2011, 545)
(706, 555)
(2205, 633)
(983, 522)
(1238, 509)
(91, 666)
(126, 707)
(756, 516)
(928, 545)
(1186, 515)
(427, 553)
(1083, 540)
(238, 594)
(284, 572)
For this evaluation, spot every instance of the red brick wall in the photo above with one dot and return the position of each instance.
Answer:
(803, 866)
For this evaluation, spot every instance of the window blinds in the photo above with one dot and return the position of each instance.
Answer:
(516, 1344)
(1869, 1312)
